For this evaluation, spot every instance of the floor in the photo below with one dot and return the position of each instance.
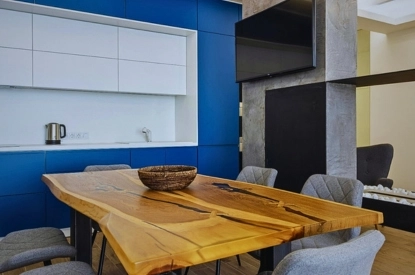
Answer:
(395, 257)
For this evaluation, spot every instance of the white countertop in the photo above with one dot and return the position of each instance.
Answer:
(87, 146)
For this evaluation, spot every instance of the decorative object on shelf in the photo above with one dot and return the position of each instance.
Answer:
(396, 195)
(167, 177)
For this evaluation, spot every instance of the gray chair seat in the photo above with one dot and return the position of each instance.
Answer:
(25, 247)
(67, 268)
(354, 257)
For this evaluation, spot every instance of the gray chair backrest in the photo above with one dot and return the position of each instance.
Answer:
(93, 168)
(338, 189)
(350, 258)
(258, 175)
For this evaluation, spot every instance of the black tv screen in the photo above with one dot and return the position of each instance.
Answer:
(278, 40)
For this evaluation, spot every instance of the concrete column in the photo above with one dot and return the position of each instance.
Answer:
(336, 22)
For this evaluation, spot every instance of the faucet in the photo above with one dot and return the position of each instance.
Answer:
(147, 133)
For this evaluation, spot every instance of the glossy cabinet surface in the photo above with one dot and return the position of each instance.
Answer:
(22, 193)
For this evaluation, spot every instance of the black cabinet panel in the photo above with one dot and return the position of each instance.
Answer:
(295, 133)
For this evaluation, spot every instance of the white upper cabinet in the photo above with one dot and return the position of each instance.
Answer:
(64, 71)
(15, 67)
(15, 29)
(152, 78)
(60, 49)
(60, 35)
(154, 47)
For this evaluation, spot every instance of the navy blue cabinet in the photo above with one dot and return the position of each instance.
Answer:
(218, 93)
(160, 156)
(77, 160)
(114, 8)
(217, 16)
(21, 173)
(219, 161)
(22, 212)
(22, 193)
(181, 156)
(57, 213)
(147, 157)
(177, 13)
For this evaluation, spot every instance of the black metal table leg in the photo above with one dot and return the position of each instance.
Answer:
(81, 236)
(271, 256)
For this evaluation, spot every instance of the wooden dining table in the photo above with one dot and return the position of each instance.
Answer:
(213, 218)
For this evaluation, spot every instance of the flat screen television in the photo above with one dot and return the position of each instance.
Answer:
(278, 40)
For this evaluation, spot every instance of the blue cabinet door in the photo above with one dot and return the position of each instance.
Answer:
(21, 173)
(225, 16)
(218, 93)
(77, 160)
(57, 213)
(147, 157)
(177, 13)
(114, 8)
(181, 156)
(219, 161)
(22, 212)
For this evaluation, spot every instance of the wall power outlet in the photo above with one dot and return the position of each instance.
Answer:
(77, 135)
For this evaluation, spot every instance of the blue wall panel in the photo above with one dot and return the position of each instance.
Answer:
(147, 157)
(181, 156)
(178, 13)
(22, 212)
(114, 8)
(21, 173)
(218, 92)
(219, 161)
(217, 16)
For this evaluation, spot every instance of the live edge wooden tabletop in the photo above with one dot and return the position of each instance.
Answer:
(213, 218)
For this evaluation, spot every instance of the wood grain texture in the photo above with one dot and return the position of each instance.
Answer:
(155, 231)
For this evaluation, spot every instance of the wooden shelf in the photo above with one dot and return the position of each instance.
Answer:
(379, 79)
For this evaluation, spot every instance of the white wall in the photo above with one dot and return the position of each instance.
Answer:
(107, 117)
(392, 117)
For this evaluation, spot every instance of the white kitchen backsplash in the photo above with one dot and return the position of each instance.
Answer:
(106, 117)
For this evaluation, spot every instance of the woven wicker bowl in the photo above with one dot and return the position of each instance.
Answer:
(167, 177)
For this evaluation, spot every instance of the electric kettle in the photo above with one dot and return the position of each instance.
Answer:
(54, 133)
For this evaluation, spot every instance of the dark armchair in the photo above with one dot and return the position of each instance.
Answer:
(373, 164)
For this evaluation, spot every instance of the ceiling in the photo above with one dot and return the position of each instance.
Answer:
(386, 15)
(383, 16)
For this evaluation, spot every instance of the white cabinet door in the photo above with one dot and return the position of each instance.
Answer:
(154, 47)
(60, 35)
(15, 29)
(152, 78)
(15, 67)
(65, 71)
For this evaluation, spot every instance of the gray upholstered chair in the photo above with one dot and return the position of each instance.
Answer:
(373, 164)
(338, 189)
(66, 268)
(258, 175)
(350, 258)
(95, 225)
(29, 246)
